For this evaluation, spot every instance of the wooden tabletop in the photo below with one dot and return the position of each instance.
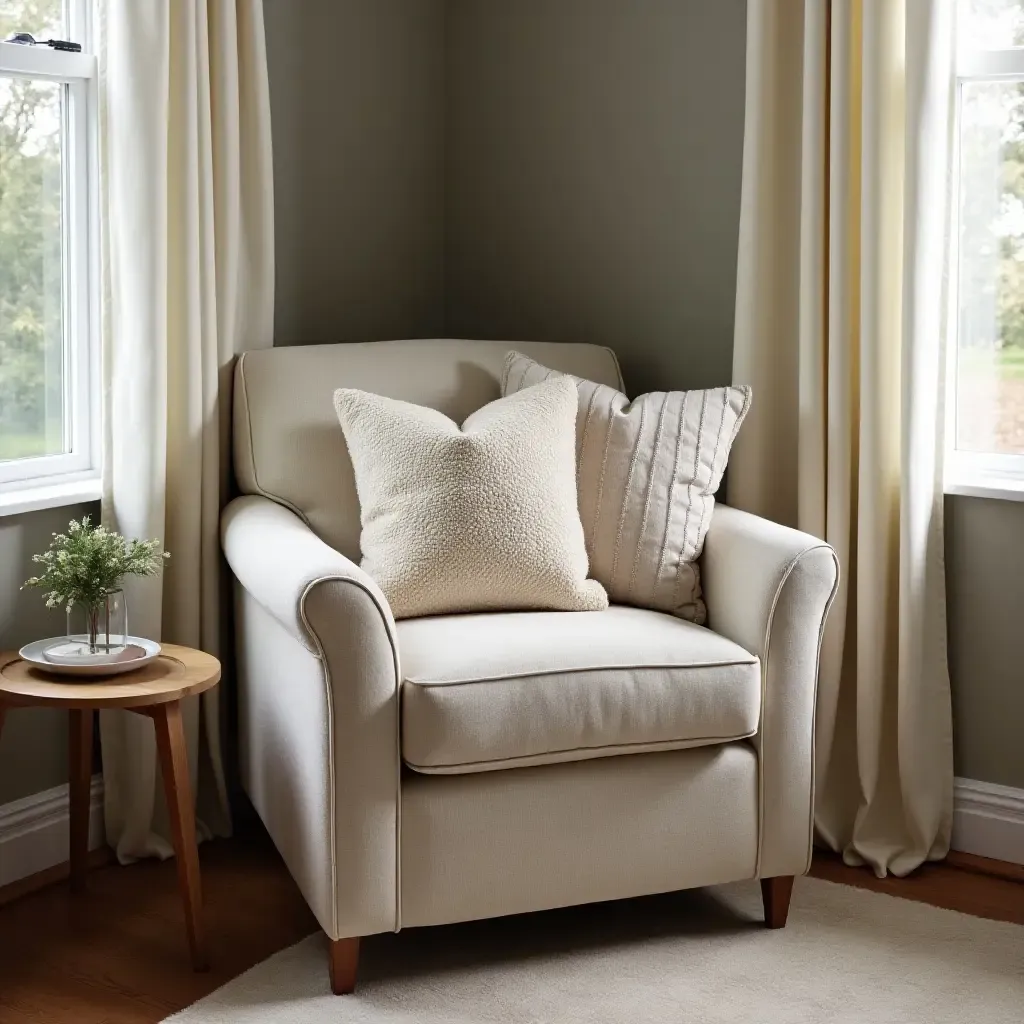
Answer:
(177, 672)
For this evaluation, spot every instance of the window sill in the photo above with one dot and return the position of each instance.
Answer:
(33, 497)
(1003, 488)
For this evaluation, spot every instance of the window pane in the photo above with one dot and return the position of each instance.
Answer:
(990, 24)
(44, 19)
(31, 287)
(990, 329)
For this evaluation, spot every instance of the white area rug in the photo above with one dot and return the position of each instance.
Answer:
(846, 956)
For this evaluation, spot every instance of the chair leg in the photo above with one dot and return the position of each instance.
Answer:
(775, 894)
(343, 959)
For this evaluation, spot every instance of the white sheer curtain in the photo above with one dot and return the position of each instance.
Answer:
(839, 327)
(187, 218)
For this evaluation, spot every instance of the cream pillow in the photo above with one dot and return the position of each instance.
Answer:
(647, 471)
(472, 519)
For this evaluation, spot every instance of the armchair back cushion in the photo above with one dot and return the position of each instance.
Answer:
(287, 442)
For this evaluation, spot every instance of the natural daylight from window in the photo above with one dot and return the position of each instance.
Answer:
(987, 364)
(49, 337)
(32, 357)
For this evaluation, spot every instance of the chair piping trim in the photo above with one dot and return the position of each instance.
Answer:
(578, 670)
(330, 745)
(614, 749)
(618, 368)
(814, 703)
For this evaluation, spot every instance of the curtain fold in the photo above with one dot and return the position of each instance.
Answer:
(188, 283)
(841, 293)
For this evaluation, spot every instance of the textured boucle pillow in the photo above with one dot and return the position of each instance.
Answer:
(647, 472)
(472, 519)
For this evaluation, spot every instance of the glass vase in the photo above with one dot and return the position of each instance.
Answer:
(97, 632)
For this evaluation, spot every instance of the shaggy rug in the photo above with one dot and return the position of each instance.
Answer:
(703, 956)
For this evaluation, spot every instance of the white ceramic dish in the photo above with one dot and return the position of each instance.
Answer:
(135, 654)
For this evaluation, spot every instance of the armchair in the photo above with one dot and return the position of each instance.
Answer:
(460, 767)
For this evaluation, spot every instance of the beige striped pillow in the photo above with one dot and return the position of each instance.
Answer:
(646, 474)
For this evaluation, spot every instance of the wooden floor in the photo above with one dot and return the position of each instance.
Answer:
(971, 885)
(117, 954)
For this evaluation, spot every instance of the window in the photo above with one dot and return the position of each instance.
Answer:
(985, 407)
(49, 352)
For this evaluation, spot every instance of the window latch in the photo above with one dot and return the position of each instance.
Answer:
(27, 39)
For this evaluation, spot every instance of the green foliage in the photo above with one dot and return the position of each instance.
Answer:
(30, 246)
(991, 294)
(87, 563)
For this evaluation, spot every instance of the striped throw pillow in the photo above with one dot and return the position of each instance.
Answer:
(646, 474)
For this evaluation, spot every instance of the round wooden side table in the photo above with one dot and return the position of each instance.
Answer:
(154, 690)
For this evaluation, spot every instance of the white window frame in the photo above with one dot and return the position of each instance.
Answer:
(49, 480)
(979, 474)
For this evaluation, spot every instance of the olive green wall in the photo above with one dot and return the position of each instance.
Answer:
(594, 158)
(357, 102)
(985, 580)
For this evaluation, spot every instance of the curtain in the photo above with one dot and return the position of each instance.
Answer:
(188, 244)
(841, 296)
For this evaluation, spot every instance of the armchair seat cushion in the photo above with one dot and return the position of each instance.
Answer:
(503, 690)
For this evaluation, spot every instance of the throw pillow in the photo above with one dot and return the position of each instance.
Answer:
(647, 472)
(472, 519)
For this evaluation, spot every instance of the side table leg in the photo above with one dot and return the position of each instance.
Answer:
(80, 778)
(170, 740)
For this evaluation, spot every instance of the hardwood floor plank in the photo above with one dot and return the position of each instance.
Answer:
(986, 866)
(940, 884)
(44, 879)
(115, 955)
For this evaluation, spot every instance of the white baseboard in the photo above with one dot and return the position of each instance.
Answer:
(34, 830)
(988, 820)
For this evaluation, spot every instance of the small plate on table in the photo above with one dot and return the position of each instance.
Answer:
(61, 656)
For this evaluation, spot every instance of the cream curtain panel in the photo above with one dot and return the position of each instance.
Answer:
(839, 328)
(187, 224)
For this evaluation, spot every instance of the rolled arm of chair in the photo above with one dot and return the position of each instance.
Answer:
(333, 665)
(282, 563)
(768, 588)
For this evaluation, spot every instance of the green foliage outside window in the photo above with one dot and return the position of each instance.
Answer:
(30, 248)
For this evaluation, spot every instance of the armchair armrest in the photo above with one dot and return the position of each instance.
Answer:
(318, 682)
(768, 588)
(281, 562)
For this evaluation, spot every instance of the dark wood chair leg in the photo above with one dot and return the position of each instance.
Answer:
(343, 957)
(776, 893)
(170, 744)
(80, 779)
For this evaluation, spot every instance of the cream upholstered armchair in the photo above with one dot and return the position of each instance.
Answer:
(468, 766)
